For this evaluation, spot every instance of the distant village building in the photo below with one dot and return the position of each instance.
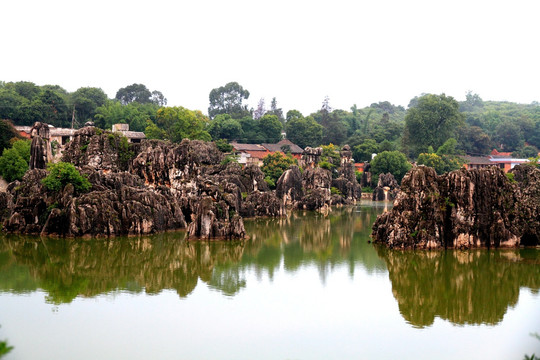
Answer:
(254, 153)
(61, 135)
(132, 136)
(64, 135)
(503, 160)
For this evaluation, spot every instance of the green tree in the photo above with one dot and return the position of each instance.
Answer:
(51, 107)
(274, 165)
(26, 89)
(365, 150)
(134, 93)
(223, 145)
(473, 140)
(472, 102)
(10, 105)
(431, 122)
(441, 163)
(509, 136)
(181, 123)
(12, 165)
(86, 100)
(270, 127)
(303, 131)
(225, 127)
(335, 131)
(526, 152)
(23, 148)
(61, 174)
(228, 100)
(152, 131)
(251, 131)
(157, 98)
(393, 162)
(134, 114)
(274, 110)
(4, 348)
(7, 133)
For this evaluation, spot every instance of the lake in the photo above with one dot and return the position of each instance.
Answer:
(308, 286)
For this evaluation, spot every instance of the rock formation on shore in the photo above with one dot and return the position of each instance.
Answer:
(156, 186)
(463, 209)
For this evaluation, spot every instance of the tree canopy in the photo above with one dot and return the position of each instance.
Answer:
(228, 100)
(139, 93)
(393, 162)
(431, 122)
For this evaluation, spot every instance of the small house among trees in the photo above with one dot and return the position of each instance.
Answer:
(254, 153)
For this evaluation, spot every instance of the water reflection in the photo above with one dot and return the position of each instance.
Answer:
(464, 287)
(67, 268)
(473, 287)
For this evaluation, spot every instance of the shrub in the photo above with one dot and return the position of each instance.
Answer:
(61, 174)
(12, 165)
(274, 165)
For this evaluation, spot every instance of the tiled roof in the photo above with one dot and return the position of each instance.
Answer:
(61, 132)
(295, 149)
(248, 147)
(133, 134)
(477, 160)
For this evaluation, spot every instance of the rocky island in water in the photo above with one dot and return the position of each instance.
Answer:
(154, 186)
(463, 209)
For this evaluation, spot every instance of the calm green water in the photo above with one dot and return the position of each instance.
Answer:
(304, 287)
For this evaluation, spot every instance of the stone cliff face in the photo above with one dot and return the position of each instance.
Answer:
(463, 209)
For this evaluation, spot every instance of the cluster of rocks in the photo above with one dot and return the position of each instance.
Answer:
(156, 186)
(463, 209)
(311, 190)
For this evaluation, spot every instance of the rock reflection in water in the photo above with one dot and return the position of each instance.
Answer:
(67, 268)
(464, 287)
(324, 240)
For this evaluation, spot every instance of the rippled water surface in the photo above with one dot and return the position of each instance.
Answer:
(309, 286)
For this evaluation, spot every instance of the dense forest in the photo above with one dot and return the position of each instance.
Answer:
(432, 130)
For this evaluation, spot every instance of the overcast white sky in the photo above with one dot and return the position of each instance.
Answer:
(355, 52)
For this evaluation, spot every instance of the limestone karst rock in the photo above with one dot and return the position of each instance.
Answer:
(346, 181)
(163, 187)
(40, 149)
(387, 188)
(463, 209)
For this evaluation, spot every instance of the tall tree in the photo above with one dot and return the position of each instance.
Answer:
(270, 127)
(260, 111)
(274, 110)
(86, 100)
(52, 108)
(228, 100)
(303, 131)
(224, 127)
(181, 123)
(435, 119)
(393, 162)
(158, 98)
(134, 93)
